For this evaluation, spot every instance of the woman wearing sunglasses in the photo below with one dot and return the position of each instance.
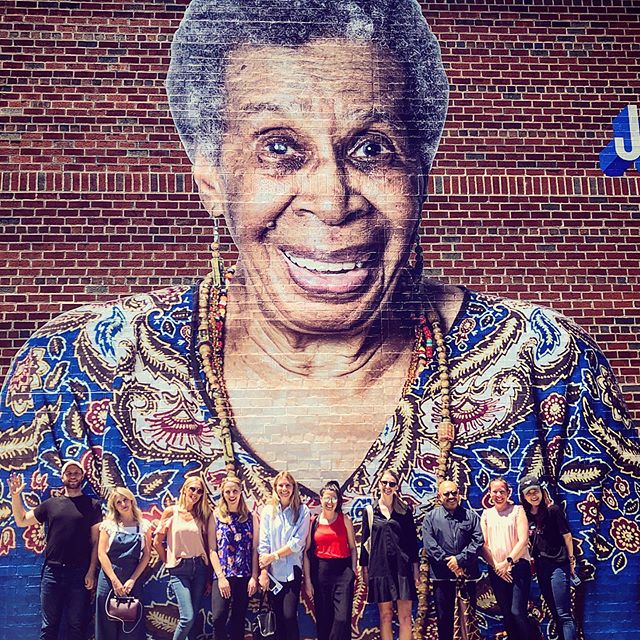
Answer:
(183, 527)
(330, 566)
(389, 557)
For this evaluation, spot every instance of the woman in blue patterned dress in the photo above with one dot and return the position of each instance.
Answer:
(233, 550)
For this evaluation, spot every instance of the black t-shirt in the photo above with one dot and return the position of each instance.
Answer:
(69, 522)
(546, 536)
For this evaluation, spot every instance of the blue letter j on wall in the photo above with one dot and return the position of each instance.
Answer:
(624, 150)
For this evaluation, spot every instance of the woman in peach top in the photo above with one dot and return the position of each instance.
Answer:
(506, 533)
(183, 526)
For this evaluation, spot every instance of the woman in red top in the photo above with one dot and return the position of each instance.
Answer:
(330, 566)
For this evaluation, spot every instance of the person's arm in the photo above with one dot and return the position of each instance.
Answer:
(411, 544)
(351, 538)
(142, 565)
(472, 549)
(563, 528)
(500, 568)
(366, 534)
(433, 550)
(252, 586)
(306, 563)
(485, 552)
(90, 578)
(161, 534)
(295, 543)
(105, 563)
(22, 516)
(222, 581)
(264, 545)
(522, 525)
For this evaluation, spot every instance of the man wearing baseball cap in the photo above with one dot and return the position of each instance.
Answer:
(71, 553)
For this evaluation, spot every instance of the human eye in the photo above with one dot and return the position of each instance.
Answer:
(280, 150)
(372, 149)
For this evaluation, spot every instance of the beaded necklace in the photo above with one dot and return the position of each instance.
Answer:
(212, 307)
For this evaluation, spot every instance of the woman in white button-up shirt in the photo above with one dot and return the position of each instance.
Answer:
(284, 524)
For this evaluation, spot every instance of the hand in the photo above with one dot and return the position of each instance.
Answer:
(128, 586)
(224, 586)
(266, 559)
(572, 565)
(252, 587)
(90, 580)
(308, 587)
(118, 588)
(503, 569)
(452, 564)
(16, 484)
(264, 581)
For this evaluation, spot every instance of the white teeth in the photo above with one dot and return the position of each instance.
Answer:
(324, 267)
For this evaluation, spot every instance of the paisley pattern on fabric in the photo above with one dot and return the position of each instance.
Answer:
(120, 388)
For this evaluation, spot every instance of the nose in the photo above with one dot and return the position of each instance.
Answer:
(327, 191)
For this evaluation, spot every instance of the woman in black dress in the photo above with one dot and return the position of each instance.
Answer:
(389, 557)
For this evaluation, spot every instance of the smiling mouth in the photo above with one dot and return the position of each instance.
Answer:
(329, 276)
(320, 266)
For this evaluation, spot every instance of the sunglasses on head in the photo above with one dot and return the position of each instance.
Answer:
(197, 490)
(450, 494)
(389, 483)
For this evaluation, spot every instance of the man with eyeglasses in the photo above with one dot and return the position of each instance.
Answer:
(452, 539)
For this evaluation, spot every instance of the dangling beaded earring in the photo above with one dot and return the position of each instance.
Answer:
(217, 263)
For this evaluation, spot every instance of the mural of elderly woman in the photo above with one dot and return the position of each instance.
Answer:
(124, 549)
(312, 128)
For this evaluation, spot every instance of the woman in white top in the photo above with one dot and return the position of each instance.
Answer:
(284, 525)
(124, 548)
(184, 527)
(506, 533)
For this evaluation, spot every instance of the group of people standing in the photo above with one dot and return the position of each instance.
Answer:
(507, 536)
(286, 545)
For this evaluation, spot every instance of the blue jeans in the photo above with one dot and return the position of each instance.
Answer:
(513, 600)
(554, 582)
(62, 590)
(188, 581)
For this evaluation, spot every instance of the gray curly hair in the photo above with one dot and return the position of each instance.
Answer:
(211, 29)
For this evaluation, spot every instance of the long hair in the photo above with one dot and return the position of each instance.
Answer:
(222, 508)
(295, 502)
(201, 510)
(398, 504)
(543, 509)
(112, 513)
(332, 485)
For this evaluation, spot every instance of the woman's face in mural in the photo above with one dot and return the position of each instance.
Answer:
(317, 179)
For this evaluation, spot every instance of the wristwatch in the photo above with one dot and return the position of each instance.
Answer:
(510, 560)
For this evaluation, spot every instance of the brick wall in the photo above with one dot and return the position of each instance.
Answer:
(97, 198)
